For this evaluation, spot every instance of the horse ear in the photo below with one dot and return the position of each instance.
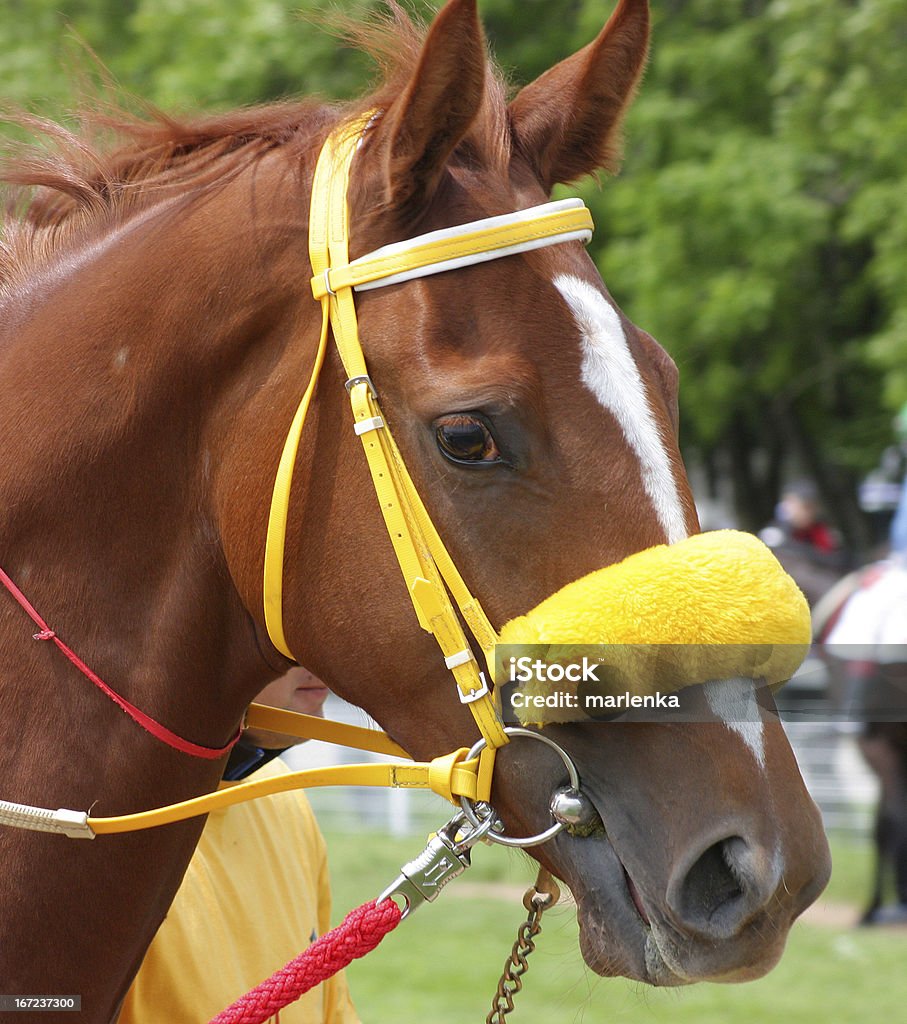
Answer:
(567, 122)
(425, 123)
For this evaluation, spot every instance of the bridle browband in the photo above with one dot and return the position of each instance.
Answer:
(430, 575)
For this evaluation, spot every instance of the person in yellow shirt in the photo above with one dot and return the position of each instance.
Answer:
(255, 894)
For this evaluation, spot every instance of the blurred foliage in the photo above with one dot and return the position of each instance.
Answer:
(758, 228)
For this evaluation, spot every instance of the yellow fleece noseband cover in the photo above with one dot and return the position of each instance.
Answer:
(715, 606)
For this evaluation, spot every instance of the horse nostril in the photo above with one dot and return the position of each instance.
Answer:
(722, 889)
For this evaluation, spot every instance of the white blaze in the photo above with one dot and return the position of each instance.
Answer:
(734, 702)
(610, 373)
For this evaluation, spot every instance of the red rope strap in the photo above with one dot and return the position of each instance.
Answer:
(359, 932)
(148, 723)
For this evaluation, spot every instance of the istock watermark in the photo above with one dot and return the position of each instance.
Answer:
(526, 669)
(39, 1003)
(533, 683)
(551, 683)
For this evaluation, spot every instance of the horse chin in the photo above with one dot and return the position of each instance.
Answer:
(615, 940)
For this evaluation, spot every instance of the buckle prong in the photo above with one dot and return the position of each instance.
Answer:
(362, 379)
(469, 698)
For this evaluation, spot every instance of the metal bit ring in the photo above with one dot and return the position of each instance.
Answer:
(470, 809)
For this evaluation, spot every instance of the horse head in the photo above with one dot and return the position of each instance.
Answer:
(540, 427)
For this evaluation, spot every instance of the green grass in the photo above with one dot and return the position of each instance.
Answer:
(441, 965)
(852, 866)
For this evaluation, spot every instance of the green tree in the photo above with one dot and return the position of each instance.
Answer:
(757, 229)
(179, 54)
(754, 232)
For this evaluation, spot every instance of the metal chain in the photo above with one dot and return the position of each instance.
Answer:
(537, 900)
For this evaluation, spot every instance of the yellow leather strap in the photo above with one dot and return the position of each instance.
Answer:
(472, 612)
(412, 557)
(483, 240)
(329, 246)
(449, 776)
(280, 499)
(275, 540)
(395, 494)
(292, 723)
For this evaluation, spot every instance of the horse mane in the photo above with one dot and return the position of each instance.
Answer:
(73, 184)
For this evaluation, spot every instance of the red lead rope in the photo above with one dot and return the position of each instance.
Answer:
(359, 933)
(148, 723)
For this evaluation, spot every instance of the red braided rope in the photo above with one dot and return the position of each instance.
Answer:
(359, 933)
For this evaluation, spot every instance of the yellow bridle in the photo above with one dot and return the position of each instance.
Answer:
(432, 580)
(701, 576)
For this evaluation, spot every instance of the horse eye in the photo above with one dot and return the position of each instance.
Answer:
(465, 439)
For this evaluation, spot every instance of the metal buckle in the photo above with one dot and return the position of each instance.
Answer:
(362, 379)
(469, 698)
(446, 856)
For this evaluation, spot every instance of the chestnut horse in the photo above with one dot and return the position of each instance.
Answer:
(157, 327)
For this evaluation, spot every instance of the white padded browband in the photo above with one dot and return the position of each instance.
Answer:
(447, 234)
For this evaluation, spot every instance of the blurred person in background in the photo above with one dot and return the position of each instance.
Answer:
(866, 649)
(254, 895)
(883, 493)
(898, 536)
(808, 548)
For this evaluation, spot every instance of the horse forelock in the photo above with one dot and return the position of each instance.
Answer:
(76, 183)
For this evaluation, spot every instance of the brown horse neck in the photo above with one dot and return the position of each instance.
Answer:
(126, 371)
